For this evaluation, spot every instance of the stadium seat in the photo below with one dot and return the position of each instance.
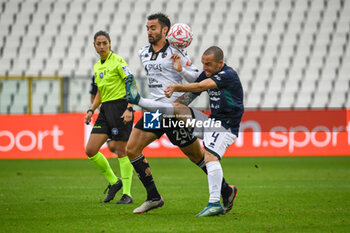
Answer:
(5, 65)
(20, 65)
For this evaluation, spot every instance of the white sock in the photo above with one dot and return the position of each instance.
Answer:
(215, 176)
(152, 105)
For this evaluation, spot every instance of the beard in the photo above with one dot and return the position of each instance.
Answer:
(154, 40)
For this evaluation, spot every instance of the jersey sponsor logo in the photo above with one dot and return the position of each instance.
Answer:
(153, 67)
(188, 63)
(155, 86)
(214, 106)
(213, 98)
(214, 92)
(151, 120)
(101, 75)
(126, 70)
(152, 81)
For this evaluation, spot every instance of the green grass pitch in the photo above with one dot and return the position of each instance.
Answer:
(292, 194)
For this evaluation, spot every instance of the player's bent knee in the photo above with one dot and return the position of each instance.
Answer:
(90, 152)
(195, 158)
(112, 148)
(176, 105)
(208, 157)
(132, 152)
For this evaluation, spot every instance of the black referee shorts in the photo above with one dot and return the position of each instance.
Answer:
(178, 136)
(110, 123)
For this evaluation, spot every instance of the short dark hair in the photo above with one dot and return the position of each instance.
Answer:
(218, 53)
(102, 33)
(162, 18)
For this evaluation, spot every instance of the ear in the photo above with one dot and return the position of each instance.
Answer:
(165, 29)
(221, 64)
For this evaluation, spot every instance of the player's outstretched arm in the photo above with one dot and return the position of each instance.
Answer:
(191, 87)
(186, 98)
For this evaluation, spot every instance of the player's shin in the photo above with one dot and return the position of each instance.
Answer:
(126, 170)
(226, 190)
(215, 176)
(102, 163)
(144, 173)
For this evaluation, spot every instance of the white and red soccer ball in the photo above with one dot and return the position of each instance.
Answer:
(180, 35)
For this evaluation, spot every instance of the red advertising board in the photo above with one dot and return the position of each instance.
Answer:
(41, 136)
(263, 133)
(293, 132)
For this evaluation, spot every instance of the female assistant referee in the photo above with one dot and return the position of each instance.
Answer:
(115, 120)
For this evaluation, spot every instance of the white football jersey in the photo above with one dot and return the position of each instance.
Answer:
(161, 73)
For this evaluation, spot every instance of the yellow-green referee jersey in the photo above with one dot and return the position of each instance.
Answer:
(110, 77)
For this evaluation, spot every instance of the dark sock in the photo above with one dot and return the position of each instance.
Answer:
(226, 190)
(202, 166)
(144, 173)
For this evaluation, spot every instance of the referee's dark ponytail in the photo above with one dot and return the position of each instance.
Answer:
(102, 33)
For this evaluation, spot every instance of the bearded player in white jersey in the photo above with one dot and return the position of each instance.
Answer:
(157, 59)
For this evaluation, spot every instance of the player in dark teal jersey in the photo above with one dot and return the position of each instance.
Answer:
(115, 119)
(219, 130)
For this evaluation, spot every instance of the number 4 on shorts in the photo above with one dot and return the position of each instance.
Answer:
(215, 135)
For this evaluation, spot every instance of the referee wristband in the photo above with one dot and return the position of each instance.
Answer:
(130, 109)
(90, 110)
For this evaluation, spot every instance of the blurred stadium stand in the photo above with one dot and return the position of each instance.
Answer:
(288, 53)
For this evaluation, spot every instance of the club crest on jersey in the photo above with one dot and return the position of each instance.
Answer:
(101, 75)
(126, 70)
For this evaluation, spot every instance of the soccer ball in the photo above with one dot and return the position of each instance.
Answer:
(180, 35)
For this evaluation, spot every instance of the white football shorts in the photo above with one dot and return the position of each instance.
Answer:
(216, 138)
